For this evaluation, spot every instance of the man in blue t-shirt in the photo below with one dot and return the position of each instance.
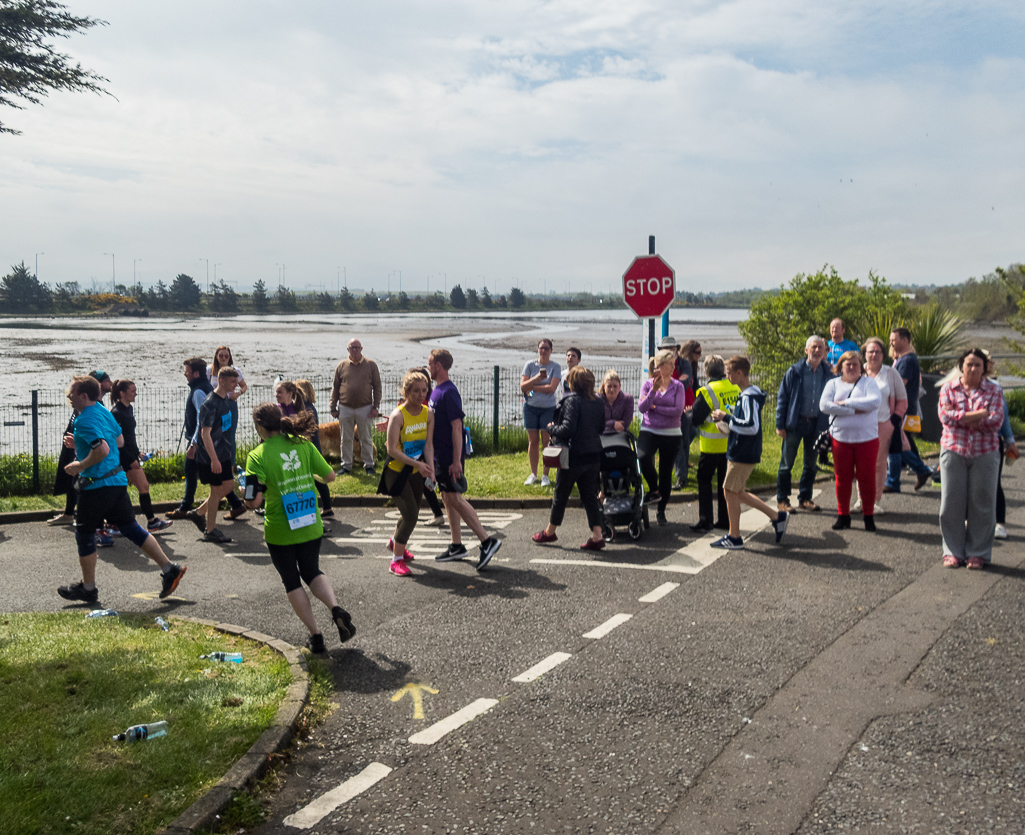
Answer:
(103, 489)
(905, 363)
(838, 346)
(447, 406)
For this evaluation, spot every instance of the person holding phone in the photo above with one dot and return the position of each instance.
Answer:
(538, 384)
(280, 474)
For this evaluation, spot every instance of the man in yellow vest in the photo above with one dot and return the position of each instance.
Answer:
(719, 393)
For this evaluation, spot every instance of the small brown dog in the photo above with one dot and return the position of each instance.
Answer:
(331, 443)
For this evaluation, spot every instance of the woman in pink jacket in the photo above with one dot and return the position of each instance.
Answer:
(662, 402)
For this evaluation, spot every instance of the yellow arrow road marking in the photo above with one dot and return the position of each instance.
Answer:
(416, 691)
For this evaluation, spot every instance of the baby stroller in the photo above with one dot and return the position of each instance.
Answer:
(623, 486)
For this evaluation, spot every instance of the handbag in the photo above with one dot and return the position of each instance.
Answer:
(912, 423)
(556, 457)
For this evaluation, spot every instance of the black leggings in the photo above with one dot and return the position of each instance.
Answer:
(588, 479)
(296, 562)
(667, 446)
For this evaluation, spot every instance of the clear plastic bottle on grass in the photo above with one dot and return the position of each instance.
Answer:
(163, 624)
(102, 613)
(234, 657)
(138, 733)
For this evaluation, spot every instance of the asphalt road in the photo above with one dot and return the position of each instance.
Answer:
(832, 682)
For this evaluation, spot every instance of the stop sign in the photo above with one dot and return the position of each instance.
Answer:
(649, 286)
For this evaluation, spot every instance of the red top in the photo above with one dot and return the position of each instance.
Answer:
(955, 401)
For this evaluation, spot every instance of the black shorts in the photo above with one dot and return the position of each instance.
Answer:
(226, 474)
(105, 503)
(296, 564)
(444, 480)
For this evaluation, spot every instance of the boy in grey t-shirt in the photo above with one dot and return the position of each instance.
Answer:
(540, 381)
(215, 454)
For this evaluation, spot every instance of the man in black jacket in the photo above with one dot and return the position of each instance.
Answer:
(799, 421)
(199, 388)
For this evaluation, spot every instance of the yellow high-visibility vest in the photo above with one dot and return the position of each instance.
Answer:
(719, 394)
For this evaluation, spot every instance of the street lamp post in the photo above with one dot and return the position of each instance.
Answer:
(113, 273)
(207, 273)
(37, 262)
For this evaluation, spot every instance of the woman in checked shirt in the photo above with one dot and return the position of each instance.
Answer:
(971, 411)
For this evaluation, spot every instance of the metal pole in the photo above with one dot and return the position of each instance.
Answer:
(494, 415)
(35, 441)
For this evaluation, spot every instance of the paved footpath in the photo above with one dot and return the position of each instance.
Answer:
(830, 683)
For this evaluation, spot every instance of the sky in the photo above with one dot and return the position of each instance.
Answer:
(505, 143)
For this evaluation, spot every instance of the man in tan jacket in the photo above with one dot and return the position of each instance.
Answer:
(355, 401)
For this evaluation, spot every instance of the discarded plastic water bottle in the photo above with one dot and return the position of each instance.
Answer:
(163, 624)
(234, 657)
(102, 613)
(138, 733)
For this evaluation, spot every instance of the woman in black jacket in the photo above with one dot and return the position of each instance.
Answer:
(579, 422)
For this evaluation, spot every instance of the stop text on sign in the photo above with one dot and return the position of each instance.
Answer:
(649, 286)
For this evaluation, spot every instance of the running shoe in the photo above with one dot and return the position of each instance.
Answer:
(531, 480)
(155, 525)
(63, 519)
(169, 579)
(103, 539)
(343, 620)
(177, 513)
(780, 525)
(660, 519)
(78, 591)
(112, 530)
(370, 469)
(315, 644)
(729, 543)
(436, 522)
(216, 536)
(327, 513)
(407, 554)
(545, 482)
(455, 551)
(542, 536)
(235, 512)
(399, 568)
(488, 548)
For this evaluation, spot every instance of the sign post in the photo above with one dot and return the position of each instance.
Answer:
(649, 288)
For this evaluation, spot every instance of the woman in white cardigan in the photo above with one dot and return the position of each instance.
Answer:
(892, 406)
(852, 402)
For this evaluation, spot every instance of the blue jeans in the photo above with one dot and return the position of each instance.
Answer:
(804, 434)
(896, 461)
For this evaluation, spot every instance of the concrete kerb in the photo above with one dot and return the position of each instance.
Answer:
(205, 812)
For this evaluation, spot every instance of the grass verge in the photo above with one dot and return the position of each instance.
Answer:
(68, 684)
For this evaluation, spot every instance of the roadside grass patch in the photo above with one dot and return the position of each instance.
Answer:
(68, 684)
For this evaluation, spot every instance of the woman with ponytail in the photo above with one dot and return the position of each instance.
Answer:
(282, 473)
(122, 396)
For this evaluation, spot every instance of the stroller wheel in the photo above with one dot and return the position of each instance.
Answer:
(634, 530)
(609, 533)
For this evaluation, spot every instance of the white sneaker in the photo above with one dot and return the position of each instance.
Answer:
(879, 509)
(1000, 532)
(437, 522)
(545, 482)
(531, 479)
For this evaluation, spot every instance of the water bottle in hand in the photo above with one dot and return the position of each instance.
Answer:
(138, 733)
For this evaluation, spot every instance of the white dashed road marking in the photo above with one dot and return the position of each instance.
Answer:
(430, 735)
(655, 595)
(327, 803)
(677, 569)
(538, 670)
(608, 626)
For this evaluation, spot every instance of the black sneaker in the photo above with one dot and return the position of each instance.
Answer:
(780, 525)
(327, 513)
(169, 579)
(370, 469)
(343, 621)
(216, 536)
(452, 553)
(197, 520)
(660, 519)
(78, 591)
(488, 548)
(315, 643)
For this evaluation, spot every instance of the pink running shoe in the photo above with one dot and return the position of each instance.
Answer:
(407, 555)
(399, 568)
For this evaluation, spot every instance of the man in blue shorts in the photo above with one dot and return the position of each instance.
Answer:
(104, 493)
(447, 406)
